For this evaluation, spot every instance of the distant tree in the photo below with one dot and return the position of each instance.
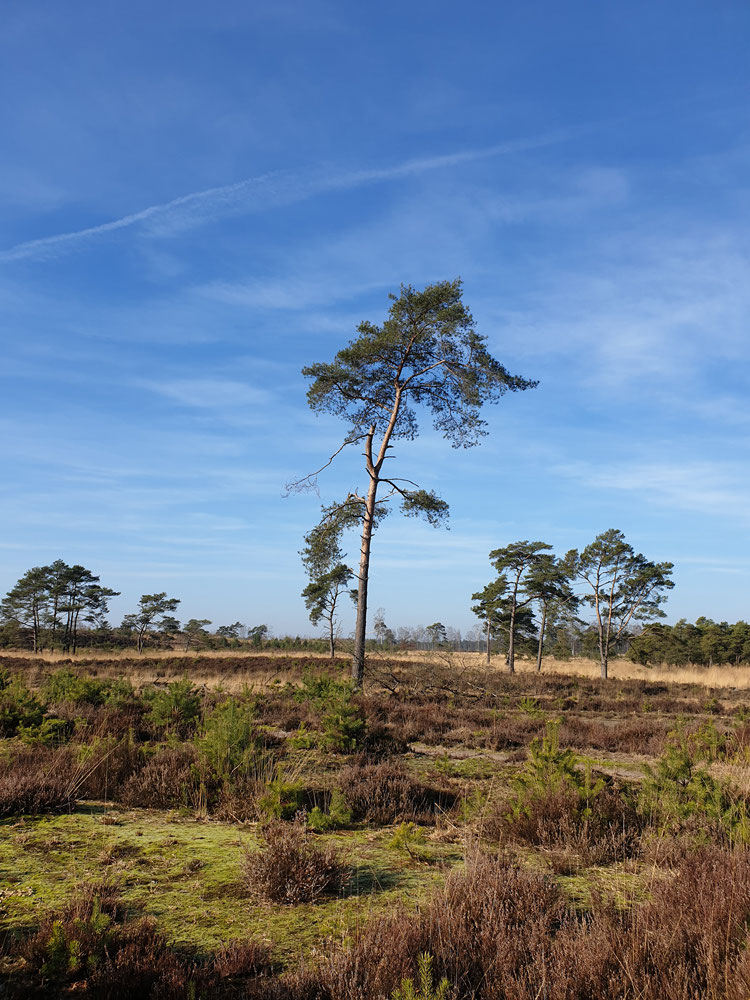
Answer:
(437, 634)
(516, 563)
(257, 634)
(195, 631)
(169, 628)
(427, 353)
(490, 608)
(80, 597)
(53, 601)
(705, 642)
(329, 577)
(622, 587)
(27, 603)
(230, 631)
(57, 584)
(405, 637)
(453, 637)
(739, 642)
(549, 585)
(715, 640)
(152, 609)
(384, 635)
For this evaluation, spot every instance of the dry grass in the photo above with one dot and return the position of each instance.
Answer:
(619, 669)
(155, 666)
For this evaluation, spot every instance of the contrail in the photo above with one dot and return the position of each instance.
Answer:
(260, 193)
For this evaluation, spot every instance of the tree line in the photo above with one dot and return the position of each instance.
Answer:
(53, 607)
(704, 642)
(534, 590)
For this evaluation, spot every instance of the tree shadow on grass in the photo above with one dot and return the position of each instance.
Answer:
(366, 880)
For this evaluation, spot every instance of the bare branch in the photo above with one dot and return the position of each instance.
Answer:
(309, 483)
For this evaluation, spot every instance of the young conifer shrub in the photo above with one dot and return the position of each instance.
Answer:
(425, 989)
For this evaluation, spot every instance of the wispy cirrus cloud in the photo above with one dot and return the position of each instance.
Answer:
(713, 488)
(210, 393)
(257, 194)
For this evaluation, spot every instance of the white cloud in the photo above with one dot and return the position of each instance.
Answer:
(717, 489)
(260, 194)
(211, 393)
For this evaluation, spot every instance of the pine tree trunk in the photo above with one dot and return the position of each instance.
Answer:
(488, 642)
(360, 629)
(512, 641)
(541, 641)
(603, 656)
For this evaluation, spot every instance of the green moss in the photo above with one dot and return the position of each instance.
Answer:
(187, 875)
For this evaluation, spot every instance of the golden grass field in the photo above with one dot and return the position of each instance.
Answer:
(155, 665)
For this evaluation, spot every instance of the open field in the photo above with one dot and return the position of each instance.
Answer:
(488, 820)
(220, 666)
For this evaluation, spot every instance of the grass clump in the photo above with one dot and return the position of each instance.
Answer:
(289, 868)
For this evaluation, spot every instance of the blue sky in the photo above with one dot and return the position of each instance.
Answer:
(196, 200)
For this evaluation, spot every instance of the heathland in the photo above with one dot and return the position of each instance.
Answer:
(250, 825)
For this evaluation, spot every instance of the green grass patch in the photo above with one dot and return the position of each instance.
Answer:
(187, 875)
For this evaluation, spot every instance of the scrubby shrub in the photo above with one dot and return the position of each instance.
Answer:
(337, 816)
(69, 945)
(90, 721)
(281, 798)
(18, 708)
(174, 709)
(409, 838)
(342, 721)
(290, 868)
(231, 746)
(496, 930)
(678, 791)
(386, 793)
(49, 732)
(37, 781)
(380, 742)
(65, 685)
(107, 764)
(241, 959)
(93, 943)
(490, 925)
(109, 953)
(557, 803)
(169, 780)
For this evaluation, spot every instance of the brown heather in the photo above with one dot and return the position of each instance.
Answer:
(496, 931)
(289, 868)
